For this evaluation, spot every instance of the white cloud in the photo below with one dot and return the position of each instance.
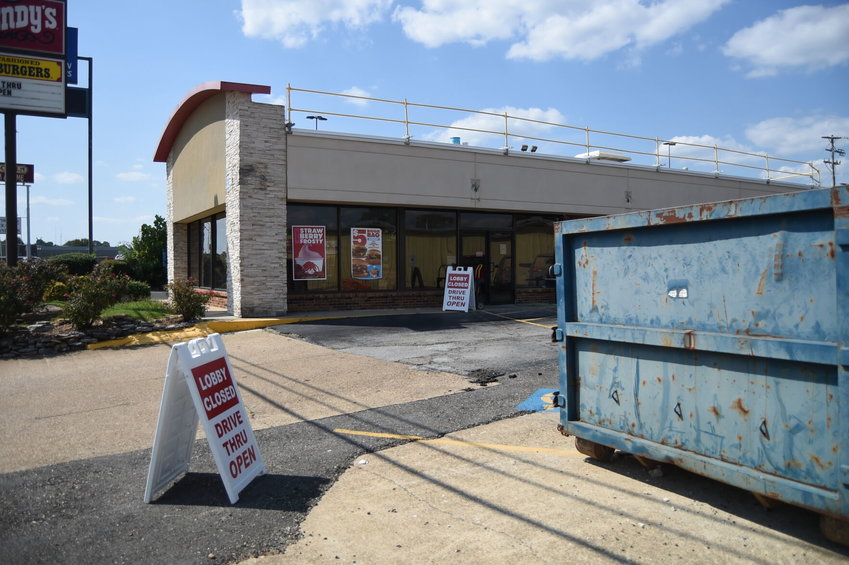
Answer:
(293, 23)
(68, 178)
(791, 172)
(50, 201)
(698, 153)
(473, 129)
(804, 37)
(792, 136)
(357, 91)
(137, 219)
(475, 21)
(550, 29)
(125, 199)
(132, 176)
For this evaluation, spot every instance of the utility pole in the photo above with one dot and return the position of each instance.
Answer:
(834, 151)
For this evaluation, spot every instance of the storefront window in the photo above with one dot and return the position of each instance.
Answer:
(206, 253)
(382, 219)
(219, 256)
(430, 246)
(207, 242)
(307, 215)
(534, 250)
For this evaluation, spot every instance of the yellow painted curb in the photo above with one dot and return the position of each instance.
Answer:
(201, 329)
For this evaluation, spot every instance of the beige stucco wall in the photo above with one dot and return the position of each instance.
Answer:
(334, 168)
(199, 167)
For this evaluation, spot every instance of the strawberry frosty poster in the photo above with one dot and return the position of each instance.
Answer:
(366, 253)
(309, 251)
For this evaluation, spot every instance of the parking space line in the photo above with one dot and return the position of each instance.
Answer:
(529, 321)
(446, 441)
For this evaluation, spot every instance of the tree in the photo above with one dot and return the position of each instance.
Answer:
(145, 254)
(83, 242)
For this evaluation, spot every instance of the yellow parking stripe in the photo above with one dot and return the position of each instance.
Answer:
(529, 321)
(446, 441)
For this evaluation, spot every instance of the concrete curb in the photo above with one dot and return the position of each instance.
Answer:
(225, 324)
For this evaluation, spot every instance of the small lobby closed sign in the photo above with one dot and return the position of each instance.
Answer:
(459, 289)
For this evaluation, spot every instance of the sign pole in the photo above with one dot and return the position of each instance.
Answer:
(11, 189)
(29, 222)
(89, 111)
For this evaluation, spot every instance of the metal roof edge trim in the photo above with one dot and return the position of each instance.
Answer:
(189, 104)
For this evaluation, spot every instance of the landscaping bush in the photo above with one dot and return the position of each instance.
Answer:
(22, 288)
(35, 276)
(89, 296)
(77, 264)
(113, 267)
(136, 290)
(12, 303)
(186, 301)
(56, 291)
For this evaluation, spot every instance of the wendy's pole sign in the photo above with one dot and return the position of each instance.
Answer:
(32, 57)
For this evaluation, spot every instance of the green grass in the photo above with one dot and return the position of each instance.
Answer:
(145, 310)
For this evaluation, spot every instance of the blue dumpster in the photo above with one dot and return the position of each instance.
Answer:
(714, 337)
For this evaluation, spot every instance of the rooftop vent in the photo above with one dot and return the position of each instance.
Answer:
(604, 156)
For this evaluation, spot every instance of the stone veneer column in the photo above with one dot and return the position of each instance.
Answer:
(178, 245)
(255, 154)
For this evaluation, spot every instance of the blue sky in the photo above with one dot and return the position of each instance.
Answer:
(758, 76)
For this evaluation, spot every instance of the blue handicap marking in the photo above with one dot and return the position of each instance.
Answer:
(540, 401)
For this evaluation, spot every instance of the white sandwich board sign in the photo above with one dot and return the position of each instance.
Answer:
(199, 385)
(459, 289)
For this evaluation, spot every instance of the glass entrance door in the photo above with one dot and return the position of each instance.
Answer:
(490, 253)
(501, 259)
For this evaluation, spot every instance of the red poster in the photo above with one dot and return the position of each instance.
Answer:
(366, 253)
(309, 253)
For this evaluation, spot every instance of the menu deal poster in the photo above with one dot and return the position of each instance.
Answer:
(366, 253)
(309, 251)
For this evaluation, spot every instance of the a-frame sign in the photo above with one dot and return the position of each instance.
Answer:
(199, 385)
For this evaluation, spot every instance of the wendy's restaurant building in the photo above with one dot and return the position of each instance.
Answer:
(271, 218)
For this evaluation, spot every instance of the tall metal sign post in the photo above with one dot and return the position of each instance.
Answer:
(32, 80)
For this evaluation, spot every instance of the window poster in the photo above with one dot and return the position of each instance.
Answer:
(366, 253)
(309, 251)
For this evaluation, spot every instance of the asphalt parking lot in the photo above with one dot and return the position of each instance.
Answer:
(388, 437)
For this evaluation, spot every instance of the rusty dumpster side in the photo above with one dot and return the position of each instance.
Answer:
(714, 337)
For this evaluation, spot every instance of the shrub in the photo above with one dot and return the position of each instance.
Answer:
(136, 290)
(89, 296)
(186, 301)
(55, 291)
(22, 288)
(113, 267)
(35, 276)
(77, 264)
(12, 303)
